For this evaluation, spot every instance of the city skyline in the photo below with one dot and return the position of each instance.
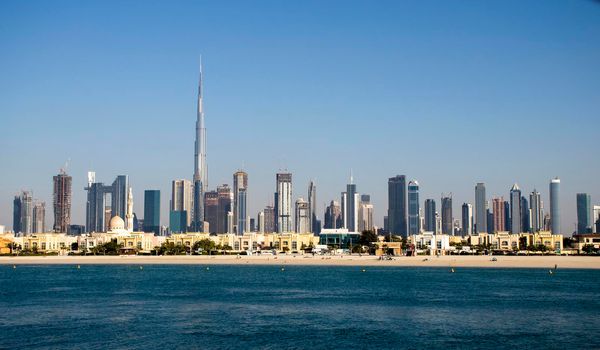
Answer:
(158, 148)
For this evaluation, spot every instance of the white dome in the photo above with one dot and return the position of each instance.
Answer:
(116, 223)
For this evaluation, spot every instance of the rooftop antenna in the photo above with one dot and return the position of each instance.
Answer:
(64, 169)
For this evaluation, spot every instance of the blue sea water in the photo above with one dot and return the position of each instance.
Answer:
(238, 307)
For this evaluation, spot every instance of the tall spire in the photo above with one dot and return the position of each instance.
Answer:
(200, 170)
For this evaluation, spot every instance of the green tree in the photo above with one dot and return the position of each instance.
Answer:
(205, 245)
(367, 237)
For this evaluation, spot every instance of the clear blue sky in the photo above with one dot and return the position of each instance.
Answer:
(446, 92)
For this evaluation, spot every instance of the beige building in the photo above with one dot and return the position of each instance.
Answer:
(251, 241)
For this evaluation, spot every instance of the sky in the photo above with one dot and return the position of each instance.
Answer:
(449, 93)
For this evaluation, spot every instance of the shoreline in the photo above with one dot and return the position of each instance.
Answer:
(478, 261)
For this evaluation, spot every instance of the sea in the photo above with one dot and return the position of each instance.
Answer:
(296, 307)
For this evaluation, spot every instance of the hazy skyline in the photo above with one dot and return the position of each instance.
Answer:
(447, 93)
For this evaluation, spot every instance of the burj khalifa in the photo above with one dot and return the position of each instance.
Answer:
(200, 169)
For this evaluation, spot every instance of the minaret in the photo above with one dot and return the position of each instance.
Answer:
(129, 215)
(200, 171)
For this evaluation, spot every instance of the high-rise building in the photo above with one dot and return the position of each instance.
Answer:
(312, 205)
(554, 206)
(269, 214)
(200, 183)
(120, 192)
(525, 215)
(498, 211)
(584, 213)
(26, 219)
(261, 222)
(242, 220)
(152, 211)
(62, 202)
(351, 208)
(507, 216)
(225, 198)
(480, 208)
(95, 208)
(397, 211)
(333, 216)
(447, 219)
(39, 217)
(240, 184)
(537, 211)
(490, 220)
(211, 210)
(467, 219)
(515, 210)
(365, 214)
(430, 215)
(17, 214)
(302, 217)
(178, 220)
(283, 202)
(596, 218)
(414, 223)
(182, 199)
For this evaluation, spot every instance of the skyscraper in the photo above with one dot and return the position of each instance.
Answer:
(302, 217)
(312, 206)
(414, 221)
(525, 215)
(430, 225)
(39, 217)
(26, 212)
(352, 201)
(515, 210)
(283, 202)
(242, 220)
(200, 183)
(447, 219)
(269, 214)
(240, 184)
(507, 216)
(120, 192)
(62, 202)
(224, 219)
(584, 213)
(211, 209)
(182, 194)
(152, 211)
(333, 216)
(17, 214)
(554, 206)
(480, 208)
(596, 218)
(498, 211)
(365, 214)
(537, 211)
(467, 219)
(95, 211)
(397, 213)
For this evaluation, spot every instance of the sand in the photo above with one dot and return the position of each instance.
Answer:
(576, 262)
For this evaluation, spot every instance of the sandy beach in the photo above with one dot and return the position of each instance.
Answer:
(575, 262)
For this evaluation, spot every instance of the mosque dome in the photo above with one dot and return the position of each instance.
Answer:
(116, 223)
